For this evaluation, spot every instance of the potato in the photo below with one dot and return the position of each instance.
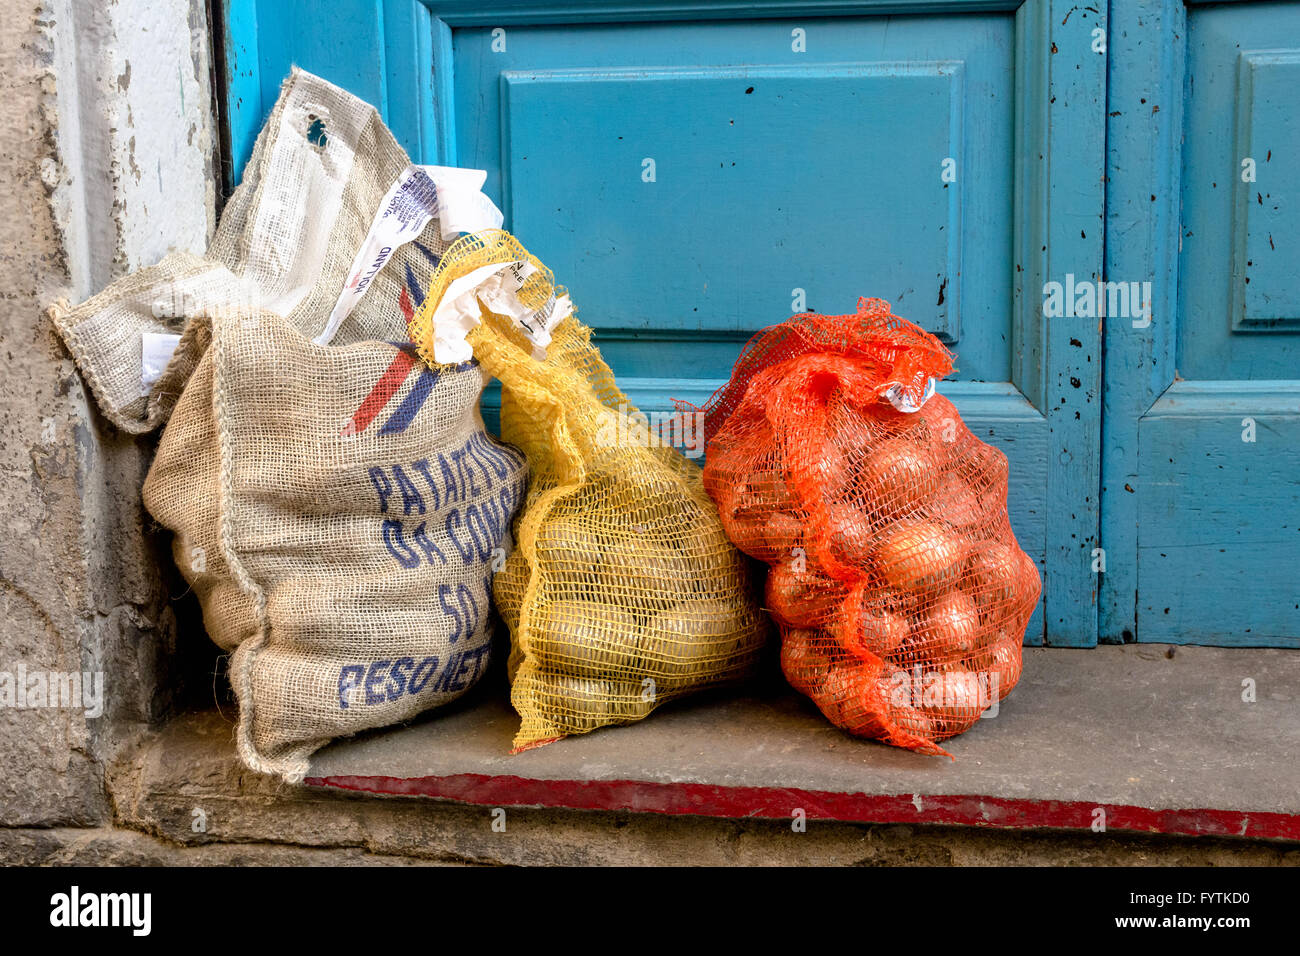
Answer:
(574, 705)
(508, 586)
(643, 576)
(583, 638)
(566, 546)
(678, 645)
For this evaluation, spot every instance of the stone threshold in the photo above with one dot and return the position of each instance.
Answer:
(1135, 738)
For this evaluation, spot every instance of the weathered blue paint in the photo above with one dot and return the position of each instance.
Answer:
(837, 190)
(1144, 129)
(1058, 215)
(1202, 527)
(380, 50)
(243, 92)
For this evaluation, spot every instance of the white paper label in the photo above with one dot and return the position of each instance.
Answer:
(419, 194)
(156, 350)
(462, 204)
(498, 286)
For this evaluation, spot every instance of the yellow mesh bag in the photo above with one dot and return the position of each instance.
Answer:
(622, 591)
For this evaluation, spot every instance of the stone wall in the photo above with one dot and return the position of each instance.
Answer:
(107, 163)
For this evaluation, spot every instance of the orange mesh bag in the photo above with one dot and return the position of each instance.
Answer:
(900, 590)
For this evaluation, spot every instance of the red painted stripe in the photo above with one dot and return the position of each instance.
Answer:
(384, 389)
(407, 306)
(779, 803)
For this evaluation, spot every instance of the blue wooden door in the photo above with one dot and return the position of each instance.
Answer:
(694, 172)
(1201, 486)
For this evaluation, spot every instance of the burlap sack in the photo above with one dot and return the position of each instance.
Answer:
(287, 239)
(337, 506)
(344, 557)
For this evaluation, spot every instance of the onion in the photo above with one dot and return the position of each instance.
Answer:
(993, 575)
(985, 468)
(802, 663)
(894, 686)
(878, 633)
(1006, 666)
(782, 533)
(945, 425)
(843, 699)
(912, 720)
(954, 622)
(958, 504)
(830, 469)
(961, 704)
(748, 534)
(804, 598)
(919, 555)
(898, 475)
(849, 534)
(1028, 583)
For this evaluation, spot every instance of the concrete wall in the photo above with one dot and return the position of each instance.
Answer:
(107, 163)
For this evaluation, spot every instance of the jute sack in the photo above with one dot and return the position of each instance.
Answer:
(623, 591)
(313, 200)
(337, 506)
(348, 568)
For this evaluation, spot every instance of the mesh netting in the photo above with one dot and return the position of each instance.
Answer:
(900, 590)
(623, 590)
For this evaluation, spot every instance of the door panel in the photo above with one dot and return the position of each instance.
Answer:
(697, 179)
(1201, 515)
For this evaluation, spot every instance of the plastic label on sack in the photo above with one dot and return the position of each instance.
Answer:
(419, 194)
(901, 399)
(462, 204)
(156, 350)
(497, 286)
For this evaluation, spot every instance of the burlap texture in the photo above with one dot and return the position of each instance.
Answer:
(287, 238)
(348, 569)
(337, 508)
